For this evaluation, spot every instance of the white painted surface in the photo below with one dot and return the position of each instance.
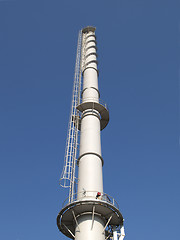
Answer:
(90, 164)
(90, 140)
(90, 175)
(90, 78)
(115, 235)
(90, 84)
(122, 233)
(90, 230)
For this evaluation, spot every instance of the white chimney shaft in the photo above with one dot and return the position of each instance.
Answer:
(90, 160)
(90, 214)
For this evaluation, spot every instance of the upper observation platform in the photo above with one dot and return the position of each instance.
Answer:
(88, 29)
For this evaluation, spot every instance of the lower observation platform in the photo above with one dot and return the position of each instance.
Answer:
(106, 208)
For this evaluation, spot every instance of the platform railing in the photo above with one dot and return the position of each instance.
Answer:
(92, 195)
(96, 100)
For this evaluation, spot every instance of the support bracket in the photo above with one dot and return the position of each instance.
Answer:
(69, 231)
(93, 217)
(107, 223)
(75, 219)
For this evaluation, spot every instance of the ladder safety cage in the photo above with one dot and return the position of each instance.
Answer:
(67, 179)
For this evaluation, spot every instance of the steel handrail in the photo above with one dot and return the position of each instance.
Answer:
(91, 194)
(97, 100)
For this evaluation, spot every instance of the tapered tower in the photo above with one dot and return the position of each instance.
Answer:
(88, 213)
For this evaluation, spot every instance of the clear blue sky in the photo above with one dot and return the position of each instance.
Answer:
(138, 64)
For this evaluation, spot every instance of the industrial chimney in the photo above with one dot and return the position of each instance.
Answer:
(88, 213)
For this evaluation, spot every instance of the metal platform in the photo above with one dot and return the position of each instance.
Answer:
(67, 218)
(88, 29)
(100, 106)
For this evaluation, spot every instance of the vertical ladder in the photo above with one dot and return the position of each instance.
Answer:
(68, 177)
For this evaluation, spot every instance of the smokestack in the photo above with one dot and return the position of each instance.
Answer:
(89, 213)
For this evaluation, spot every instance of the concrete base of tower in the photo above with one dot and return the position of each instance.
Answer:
(86, 216)
(90, 228)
